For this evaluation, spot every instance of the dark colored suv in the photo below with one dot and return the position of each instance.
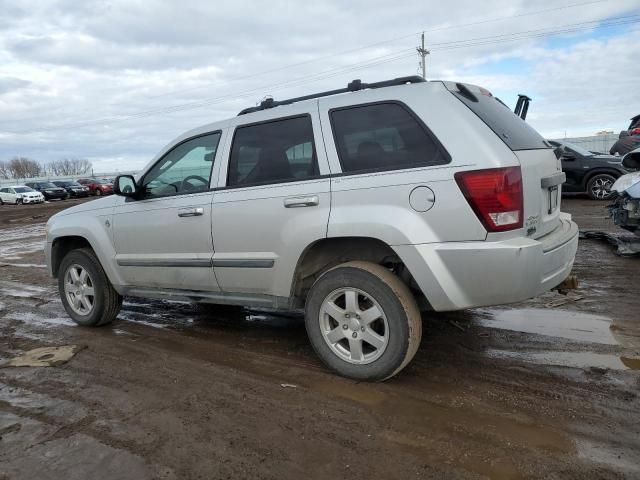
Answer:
(49, 190)
(74, 189)
(587, 172)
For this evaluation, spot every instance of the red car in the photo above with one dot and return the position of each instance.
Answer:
(96, 186)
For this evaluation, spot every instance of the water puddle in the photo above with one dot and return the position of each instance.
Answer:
(570, 359)
(578, 326)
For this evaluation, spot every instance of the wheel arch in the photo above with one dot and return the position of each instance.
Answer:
(324, 254)
(61, 246)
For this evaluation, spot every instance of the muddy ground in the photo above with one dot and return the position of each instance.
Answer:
(541, 389)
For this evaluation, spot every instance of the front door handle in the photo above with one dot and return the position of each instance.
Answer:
(191, 212)
(296, 202)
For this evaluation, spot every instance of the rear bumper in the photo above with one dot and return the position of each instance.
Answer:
(459, 275)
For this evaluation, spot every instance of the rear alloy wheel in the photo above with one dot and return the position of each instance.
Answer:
(599, 186)
(98, 192)
(363, 321)
(85, 291)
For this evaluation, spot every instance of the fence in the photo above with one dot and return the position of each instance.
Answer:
(595, 143)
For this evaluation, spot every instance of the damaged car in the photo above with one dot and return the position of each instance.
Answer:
(625, 209)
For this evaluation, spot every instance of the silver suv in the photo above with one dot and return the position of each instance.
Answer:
(364, 206)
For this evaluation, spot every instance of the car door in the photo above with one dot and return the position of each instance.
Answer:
(273, 201)
(163, 240)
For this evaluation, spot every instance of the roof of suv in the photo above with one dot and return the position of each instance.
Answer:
(353, 86)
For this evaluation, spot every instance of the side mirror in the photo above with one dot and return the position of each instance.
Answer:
(567, 155)
(632, 160)
(125, 185)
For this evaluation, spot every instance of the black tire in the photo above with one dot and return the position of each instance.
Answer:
(396, 301)
(596, 184)
(1, 201)
(107, 301)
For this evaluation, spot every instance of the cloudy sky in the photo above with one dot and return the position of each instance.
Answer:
(113, 81)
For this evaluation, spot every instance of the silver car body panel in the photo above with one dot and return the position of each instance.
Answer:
(246, 244)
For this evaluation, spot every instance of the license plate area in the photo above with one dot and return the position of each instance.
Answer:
(553, 199)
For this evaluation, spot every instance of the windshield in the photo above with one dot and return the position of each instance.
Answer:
(578, 149)
(47, 185)
(23, 189)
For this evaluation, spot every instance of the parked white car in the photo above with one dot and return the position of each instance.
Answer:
(362, 205)
(18, 194)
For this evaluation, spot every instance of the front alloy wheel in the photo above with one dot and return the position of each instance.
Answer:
(78, 288)
(86, 293)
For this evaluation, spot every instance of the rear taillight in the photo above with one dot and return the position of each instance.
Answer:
(495, 195)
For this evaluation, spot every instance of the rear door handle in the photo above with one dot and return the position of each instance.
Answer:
(296, 202)
(191, 212)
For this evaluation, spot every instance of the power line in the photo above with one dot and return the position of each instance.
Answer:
(383, 42)
(342, 70)
(204, 103)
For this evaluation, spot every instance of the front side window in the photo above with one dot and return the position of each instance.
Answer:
(185, 169)
(382, 136)
(272, 152)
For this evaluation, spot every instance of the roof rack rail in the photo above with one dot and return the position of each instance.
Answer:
(353, 86)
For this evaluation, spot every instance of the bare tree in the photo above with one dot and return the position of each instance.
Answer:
(21, 167)
(69, 166)
(4, 169)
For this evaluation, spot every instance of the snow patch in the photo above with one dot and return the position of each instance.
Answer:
(40, 320)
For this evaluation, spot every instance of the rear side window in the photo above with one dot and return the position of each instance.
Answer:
(383, 136)
(512, 130)
(272, 152)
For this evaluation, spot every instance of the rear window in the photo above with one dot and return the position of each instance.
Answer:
(512, 130)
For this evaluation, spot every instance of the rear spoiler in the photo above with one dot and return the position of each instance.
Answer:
(522, 106)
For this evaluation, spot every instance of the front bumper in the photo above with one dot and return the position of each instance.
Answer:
(32, 200)
(459, 275)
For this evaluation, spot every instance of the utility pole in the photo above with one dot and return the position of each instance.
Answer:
(423, 52)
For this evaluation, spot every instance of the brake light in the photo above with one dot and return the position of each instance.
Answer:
(495, 195)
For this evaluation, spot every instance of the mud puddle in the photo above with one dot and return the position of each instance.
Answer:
(620, 351)
(570, 359)
(577, 326)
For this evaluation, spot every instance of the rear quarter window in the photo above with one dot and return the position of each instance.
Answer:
(383, 136)
(511, 129)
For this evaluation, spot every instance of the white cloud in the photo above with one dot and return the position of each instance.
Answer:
(72, 63)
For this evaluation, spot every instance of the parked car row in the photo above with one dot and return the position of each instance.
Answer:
(38, 192)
